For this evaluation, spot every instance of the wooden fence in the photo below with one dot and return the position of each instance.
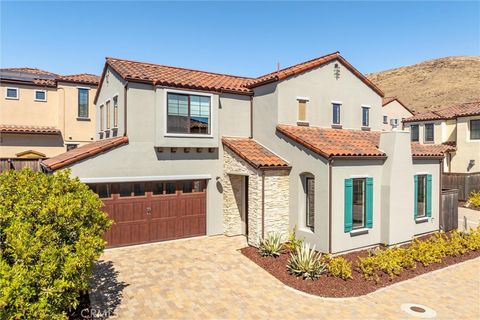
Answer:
(449, 214)
(19, 163)
(464, 182)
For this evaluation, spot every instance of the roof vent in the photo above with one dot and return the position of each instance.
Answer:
(336, 71)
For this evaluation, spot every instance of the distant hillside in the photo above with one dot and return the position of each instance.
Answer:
(433, 84)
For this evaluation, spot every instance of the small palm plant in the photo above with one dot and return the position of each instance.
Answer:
(305, 262)
(271, 245)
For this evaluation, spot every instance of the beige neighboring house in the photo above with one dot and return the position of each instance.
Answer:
(43, 114)
(184, 153)
(394, 111)
(457, 127)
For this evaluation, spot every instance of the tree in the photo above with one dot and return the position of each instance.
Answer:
(51, 229)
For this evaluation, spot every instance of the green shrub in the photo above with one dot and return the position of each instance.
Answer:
(429, 251)
(474, 199)
(391, 261)
(51, 229)
(293, 242)
(306, 262)
(339, 267)
(271, 245)
(454, 243)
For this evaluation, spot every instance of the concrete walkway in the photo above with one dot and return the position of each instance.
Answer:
(207, 278)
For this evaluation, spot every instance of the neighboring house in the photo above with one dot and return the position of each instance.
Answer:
(394, 111)
(43, 114)
(197, 153)
(457, 127)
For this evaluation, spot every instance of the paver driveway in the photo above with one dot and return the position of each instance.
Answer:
(208, 278)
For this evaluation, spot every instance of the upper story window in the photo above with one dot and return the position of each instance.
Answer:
(40, 95)
(336, 113)
(107, 106)
(82, 103)
(414, 133)
(302, 109)
(475, 129)
(115, 112)
(365, 116)
(11, 93)
(429, 132)
(189, 114)
(102, 118)
(385, 119)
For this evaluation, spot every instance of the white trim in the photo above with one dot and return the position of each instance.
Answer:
(422, 218)
(359, 231)
(12, 98)
(422, 173)
(357, 176)
(303, 99)
(146, 178)
(35, 95)
(336, 102)
(366, 106)
(186, 135)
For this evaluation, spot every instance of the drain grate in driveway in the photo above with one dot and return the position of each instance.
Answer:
(418, 310)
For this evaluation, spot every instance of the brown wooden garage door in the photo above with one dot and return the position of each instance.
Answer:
(153, 211)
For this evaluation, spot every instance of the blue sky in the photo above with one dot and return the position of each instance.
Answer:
(247, 38)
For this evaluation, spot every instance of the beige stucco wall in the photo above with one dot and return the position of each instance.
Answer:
(59, 111)
(394, 110)
(467, 149)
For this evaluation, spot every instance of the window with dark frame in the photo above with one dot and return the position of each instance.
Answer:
(385, 119)
(336, 113)
(107, 107)
(71, 146)
(365, 116)
(40, 95)
(82, 103)
(414, 133)
(102, 120)
(12, 93)
(115, 112)
(421, 196)
(359, 203)
(429, 132)
(310, 202)
(475, 129)
(188, 114)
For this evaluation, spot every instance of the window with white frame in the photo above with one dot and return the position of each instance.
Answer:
(414, 133)
(309, 189)
(102, 118)
(429, 132)
(11, 93)
(40, 95)
(83, 103)
(475, 129)
(107, 106)
(188, 114)
(115, 112)
(336, 113)
(385, 119)
(365, 116)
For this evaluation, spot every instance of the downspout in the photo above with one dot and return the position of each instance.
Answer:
(263, 204)
(440, 213)
(251, 117)
(125, 88)
(330, 163)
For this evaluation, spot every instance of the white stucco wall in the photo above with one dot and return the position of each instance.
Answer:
(394, 110)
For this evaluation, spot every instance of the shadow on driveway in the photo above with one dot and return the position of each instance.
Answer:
(106, 291)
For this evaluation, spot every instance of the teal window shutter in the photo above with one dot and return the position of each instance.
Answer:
(348, 205)
(415, 197)
(429, 195)
(369, 203)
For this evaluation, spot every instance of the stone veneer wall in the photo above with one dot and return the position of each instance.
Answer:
(276, 198)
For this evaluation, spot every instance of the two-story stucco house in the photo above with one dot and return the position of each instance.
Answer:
(182, 153)
(458, 127)
(43, 114)
(394, 111)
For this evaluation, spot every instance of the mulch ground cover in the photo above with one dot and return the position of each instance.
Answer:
(329, 286)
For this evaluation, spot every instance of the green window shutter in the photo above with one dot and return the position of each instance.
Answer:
(369, 203)
(429, 195)
(348, 205)
(415, 197)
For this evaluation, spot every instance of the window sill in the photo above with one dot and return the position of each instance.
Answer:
(306, 229)
(303, 123)
(428, 142)
(186, 135)
(83, 119)
(11, 98)
(365, 128)
(358, 232)
(39, 100)
(421, 220)
(336, 126)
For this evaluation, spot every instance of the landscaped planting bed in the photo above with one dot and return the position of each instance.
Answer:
(374, 269)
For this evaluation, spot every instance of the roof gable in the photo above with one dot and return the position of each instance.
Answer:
(388, 100)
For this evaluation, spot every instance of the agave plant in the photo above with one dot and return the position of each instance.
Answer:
(306, 262)
(271, 245)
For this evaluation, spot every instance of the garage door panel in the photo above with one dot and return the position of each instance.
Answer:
(130, 212)
(132, 233)
(164, 229)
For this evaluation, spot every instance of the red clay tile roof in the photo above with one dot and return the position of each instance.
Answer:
(178, 77)
(459, 110)
(387, 100)
(30, 70)
(83, 152)
(17, 129)
(254, 153)
(309, 65)
(351, 143)
(429, 150)
(86, 78)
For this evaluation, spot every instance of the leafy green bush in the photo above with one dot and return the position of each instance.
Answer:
(474, 199)
(391, 261)
(51, 229)
(271, 245)
(339, 267)
(306, 262)
(293, 242)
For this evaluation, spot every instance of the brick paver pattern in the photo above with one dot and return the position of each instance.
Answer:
(208, 278)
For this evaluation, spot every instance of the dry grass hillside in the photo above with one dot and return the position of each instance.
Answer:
(433, 84)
